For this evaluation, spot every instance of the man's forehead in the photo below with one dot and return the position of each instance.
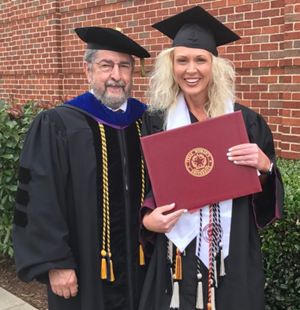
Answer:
(112, 55)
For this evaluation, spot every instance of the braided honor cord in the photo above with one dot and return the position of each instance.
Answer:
(138, 123)
(106, 264)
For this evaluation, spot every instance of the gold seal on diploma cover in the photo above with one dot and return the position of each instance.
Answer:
(199, 162)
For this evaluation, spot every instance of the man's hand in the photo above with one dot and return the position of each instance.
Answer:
(157, 221)
(63, 282)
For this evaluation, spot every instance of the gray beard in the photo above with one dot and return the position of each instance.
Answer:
(111, 102)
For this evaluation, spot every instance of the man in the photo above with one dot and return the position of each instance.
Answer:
(81, 183)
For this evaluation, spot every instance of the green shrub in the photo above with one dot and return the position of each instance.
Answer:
(281, 246)
(14, 123)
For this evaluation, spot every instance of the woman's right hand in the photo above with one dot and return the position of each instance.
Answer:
(159, 222)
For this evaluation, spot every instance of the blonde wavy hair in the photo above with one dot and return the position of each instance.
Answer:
(163, 88)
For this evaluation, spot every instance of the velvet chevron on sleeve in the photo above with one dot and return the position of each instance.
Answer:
(61, 225)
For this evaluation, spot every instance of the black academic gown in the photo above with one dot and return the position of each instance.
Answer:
(58, 217)
(243, 285)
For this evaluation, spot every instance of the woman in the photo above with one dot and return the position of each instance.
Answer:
(229, 276)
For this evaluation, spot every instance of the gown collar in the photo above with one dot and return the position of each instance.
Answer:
(90, 104)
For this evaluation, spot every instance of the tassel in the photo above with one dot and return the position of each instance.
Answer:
(142, 256)
(215, 270)
(108, 267)
(112, 276)
(170, 284)
(142, 67)
(209, 306)
(103, 265)
(172, 277)
(178, 269)
(213, 303)
(110, 271)
(175, 296)
(199, 299)
(222, 267)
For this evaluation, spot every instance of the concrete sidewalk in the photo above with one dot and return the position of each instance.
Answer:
(10, 302)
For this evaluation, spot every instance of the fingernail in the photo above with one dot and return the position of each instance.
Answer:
(235, 162)
(172, 204)
(230, 149)
(229, 158)
(185, 211)
(228, 154)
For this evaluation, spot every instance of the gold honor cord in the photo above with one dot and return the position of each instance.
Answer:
(106, 262)
(142, 256)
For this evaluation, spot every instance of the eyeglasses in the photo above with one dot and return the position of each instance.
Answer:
(107, 66)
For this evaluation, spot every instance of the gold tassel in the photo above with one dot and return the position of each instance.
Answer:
(142, 256)
(111, 270)
(178, 268)
(112, 276)
(142, 67)
(209, 306)
(103, 265)
(199, 299)
(222, 267)
(175, 296)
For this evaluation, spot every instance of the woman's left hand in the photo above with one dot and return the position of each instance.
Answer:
(249, 154)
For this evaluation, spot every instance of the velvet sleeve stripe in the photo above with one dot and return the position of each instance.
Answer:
(24, 175)
(22, 197)
(20, 218)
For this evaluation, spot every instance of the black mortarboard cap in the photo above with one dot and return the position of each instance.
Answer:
(110, 39)
(196, 28)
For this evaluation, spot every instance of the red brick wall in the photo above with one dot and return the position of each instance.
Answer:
(41, 57)
(30, 50)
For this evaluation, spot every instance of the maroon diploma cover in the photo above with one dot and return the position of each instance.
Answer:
(189, 165)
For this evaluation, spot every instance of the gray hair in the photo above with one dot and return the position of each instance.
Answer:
(90, 56)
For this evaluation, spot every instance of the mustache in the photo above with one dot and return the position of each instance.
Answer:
(112, 83)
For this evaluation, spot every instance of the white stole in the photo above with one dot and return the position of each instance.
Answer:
(188, 225)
